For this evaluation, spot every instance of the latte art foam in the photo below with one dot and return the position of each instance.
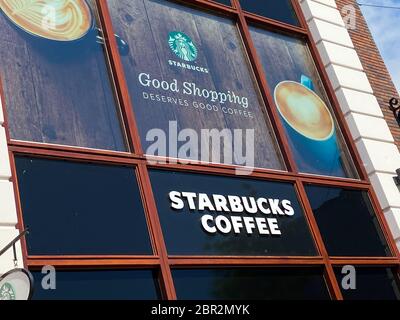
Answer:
(303, 110)
(61, 20)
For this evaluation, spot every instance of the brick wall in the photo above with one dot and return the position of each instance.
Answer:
(373, 66)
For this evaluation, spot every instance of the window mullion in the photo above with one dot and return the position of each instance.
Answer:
(156, 231)
(265, 91)
(330, 274)
(119, 76)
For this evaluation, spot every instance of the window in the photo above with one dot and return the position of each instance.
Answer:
(209, 215)
(304, 110)
(281, 10)
(79, 208)
(86, 108)
(56, 81)
(338, 213)
(178, 88)
(251, 284)
(100, 285)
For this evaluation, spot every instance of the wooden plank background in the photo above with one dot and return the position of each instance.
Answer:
(145, 25)
(58, 92)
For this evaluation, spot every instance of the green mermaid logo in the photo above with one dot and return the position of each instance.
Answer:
(7, 292)
(182, 46)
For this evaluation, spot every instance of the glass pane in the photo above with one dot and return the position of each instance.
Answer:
(210, 215)
(370, 284)
(76, 208)
(54, 74)
(187, 69)
(99, 285)
(347, 222)
(281, 10)
(307, 117)
(282, 283)
(226, 2)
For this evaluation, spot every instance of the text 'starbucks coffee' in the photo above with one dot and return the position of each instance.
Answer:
(309, 125)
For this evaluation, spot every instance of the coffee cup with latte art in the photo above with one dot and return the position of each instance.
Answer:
(309, 126)
(58, 20)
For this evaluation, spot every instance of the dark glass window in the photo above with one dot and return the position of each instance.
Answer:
(226, 2)
(347, 222)
(207, 83)
(283, 283)
(281, 10)
(77, 208)
(99, 285)
(55, 75)
(262, 204)
(304, 109)
(371, 283)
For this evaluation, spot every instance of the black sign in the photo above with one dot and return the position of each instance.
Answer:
(211, 215)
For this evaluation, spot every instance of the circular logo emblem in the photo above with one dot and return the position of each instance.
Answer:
(16, 284)
(182, 46)
(7, 292)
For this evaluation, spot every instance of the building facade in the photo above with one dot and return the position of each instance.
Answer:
(106, 158)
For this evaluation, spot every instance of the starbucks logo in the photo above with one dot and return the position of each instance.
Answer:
(7, 292)
(182, 46)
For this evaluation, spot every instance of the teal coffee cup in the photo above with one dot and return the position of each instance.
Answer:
(310, 128)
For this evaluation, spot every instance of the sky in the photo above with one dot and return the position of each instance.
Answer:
(385, 28)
